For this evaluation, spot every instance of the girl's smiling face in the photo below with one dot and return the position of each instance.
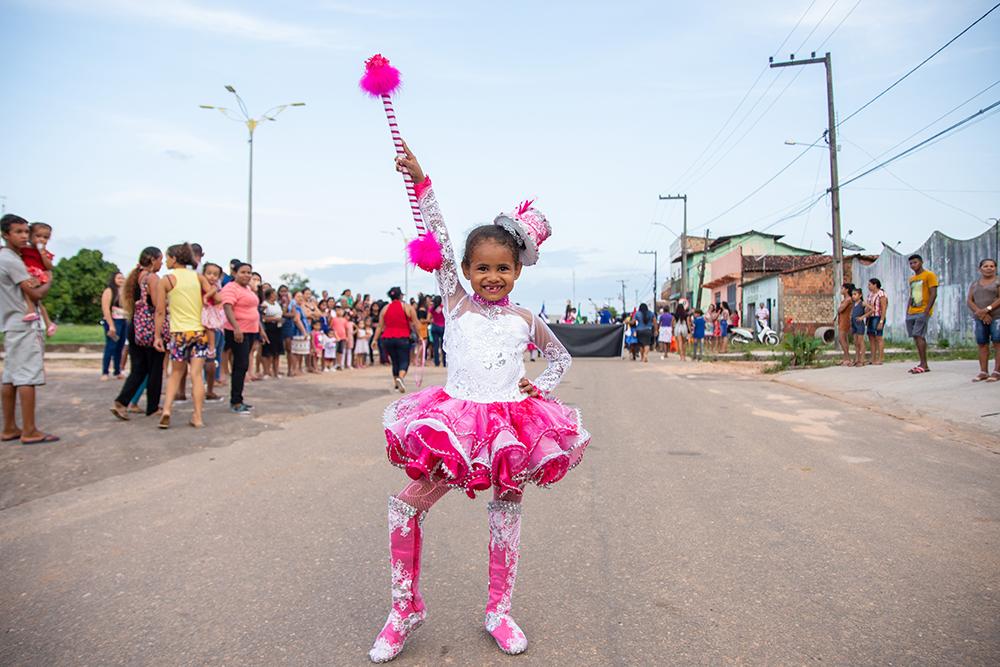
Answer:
(492, 270)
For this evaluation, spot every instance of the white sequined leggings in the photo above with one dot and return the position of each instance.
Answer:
(423, 493)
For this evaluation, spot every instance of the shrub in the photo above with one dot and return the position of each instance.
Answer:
(803, 347)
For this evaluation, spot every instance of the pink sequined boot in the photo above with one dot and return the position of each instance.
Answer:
(407, 613)
(505, 544)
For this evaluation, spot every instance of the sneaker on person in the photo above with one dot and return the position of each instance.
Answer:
(400, 385)
(240, 410)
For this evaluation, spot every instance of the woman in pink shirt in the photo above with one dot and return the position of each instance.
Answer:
(242, 328)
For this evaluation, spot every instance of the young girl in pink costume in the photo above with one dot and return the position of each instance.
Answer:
(489, 426)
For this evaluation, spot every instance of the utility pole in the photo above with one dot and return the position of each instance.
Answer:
(684, 244)
(834, 190)
(701, 272)
(656, 286)
(623, 296)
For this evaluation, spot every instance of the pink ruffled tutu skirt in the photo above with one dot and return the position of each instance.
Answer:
(478, 445)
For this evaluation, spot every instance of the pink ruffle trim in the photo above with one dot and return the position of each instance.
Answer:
(421, 187)
(478, 445)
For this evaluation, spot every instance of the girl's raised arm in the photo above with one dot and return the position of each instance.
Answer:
(447, 275)
(555, 354)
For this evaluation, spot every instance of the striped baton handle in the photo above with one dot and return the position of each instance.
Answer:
(397, 141)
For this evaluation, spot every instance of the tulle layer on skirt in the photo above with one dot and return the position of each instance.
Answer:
(478, 445)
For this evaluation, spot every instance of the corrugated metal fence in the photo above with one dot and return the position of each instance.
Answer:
(956, 264)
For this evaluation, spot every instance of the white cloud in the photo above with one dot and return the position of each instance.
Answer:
(149, 195)
(192, 16)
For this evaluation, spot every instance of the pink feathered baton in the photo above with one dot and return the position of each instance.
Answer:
(381, 80)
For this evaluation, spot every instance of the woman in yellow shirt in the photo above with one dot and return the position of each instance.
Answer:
(184, 290)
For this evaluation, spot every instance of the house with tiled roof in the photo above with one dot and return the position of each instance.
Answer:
(724, 264)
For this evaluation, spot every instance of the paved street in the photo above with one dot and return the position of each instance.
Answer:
(718, 518)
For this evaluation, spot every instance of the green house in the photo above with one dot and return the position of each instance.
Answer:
(753, 243)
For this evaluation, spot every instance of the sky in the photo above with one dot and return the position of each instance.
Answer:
(594, 108)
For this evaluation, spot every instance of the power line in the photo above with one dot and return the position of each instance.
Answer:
(758, 188)
(818, 24)
(846, 16)
(922, 63)
(923, 143)
(914, 188)
(744, 98)
(749, 129)
(930, 124)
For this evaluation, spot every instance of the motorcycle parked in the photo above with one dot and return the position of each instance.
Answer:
(766, 335)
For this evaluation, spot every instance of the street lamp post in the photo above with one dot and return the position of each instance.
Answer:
(683, 237)
(251, 124)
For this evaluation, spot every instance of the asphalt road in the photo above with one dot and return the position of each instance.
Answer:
(717, 519)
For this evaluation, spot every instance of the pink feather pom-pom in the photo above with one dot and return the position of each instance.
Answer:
(380, 77)
(425, 252)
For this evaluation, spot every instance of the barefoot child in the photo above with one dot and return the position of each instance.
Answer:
(859, 317)
(489, 427)
(38, 260)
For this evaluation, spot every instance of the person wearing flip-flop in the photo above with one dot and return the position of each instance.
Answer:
(984, 302)
(24, 342)
(923, 294)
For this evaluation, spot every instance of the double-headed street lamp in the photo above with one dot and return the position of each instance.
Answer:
(251, 123)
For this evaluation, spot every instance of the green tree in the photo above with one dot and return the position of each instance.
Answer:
(295, 282)
(77, 285)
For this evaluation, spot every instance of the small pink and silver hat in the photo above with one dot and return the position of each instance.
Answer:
(529, 226)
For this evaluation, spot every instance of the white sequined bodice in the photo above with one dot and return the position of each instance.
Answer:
(486, 356)
(485, 343)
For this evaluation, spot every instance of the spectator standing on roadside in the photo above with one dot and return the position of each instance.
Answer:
(437, 331)
(681, 329)
(763, 316)
(859, 318)
(984, 302)
(666, 333)
(214, 318)
(139, 297)
(644, 330)
(923, 286)
(878, 306)
(275, 346)
(24, 343)
(843, 322)
(698, 334)
(183, 291)
(115, 323)
(397, 322)
(242, 327)
(724, 316)
(362, 340)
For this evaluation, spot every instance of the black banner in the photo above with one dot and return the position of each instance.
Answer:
(590, 340)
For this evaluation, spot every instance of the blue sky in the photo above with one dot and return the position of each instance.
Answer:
(595, 108)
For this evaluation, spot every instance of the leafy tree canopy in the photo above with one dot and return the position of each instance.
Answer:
(295, 282)
(77, 285)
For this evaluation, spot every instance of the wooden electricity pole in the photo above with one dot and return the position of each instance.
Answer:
(831, 139)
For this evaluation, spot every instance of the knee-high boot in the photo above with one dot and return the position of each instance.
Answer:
(505, 546)
(407, 613)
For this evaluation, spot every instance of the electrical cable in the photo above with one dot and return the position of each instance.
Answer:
(930, 124)
(923, 143)
(914, 188)
(914, 69)
(744, 98)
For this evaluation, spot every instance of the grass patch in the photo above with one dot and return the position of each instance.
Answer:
(76, 334)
